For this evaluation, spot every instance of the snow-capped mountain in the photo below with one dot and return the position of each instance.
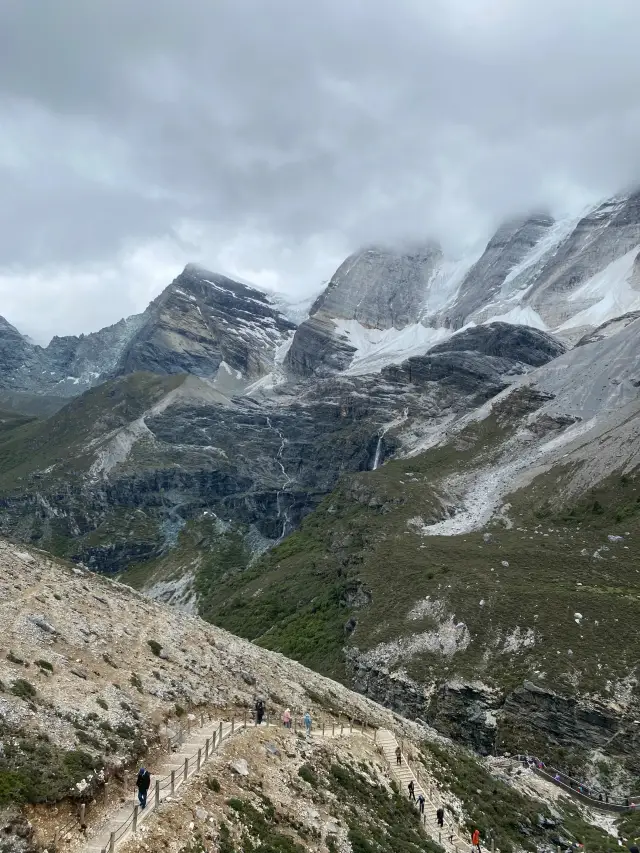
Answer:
(382, 306)
(565, 277)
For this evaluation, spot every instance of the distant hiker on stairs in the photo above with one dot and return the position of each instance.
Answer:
(440, 817)
(398, 756)
(475, 840)
(143, 783)
(286, 719)
(307, 723)
(259, 711)
(421, 803)
(412, 791)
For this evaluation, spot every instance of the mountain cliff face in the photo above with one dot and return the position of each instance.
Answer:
(440, 453)
(377, 288)
(507, 248)
(563, 277)
(200, 322)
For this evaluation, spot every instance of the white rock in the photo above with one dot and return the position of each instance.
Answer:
(505, 564)
(240, 767)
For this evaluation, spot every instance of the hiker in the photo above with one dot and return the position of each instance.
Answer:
(398, 756)
(259, 711)
(440, 817)
(307, 723)
(634, 849)
(475, 840)
(286, 719)
(421, 803)
(143, 783)
(412, 791)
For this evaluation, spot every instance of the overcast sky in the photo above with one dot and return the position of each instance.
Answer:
(268, 138)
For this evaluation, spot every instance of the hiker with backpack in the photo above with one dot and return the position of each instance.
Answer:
(412, 791)
(421, 803)
(440, 817)
(475, 840)
(259, 711)
(143, 783)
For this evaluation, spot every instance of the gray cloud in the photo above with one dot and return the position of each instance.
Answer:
(268, 139)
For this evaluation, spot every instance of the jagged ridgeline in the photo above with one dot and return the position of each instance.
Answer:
(218, 452)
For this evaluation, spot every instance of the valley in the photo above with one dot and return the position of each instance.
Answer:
(427, 489)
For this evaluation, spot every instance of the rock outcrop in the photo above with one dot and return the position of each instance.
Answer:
(378, 288)
(480, 361)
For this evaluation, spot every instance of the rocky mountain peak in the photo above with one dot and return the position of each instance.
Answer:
(202, 320)
(377, 287)
(380, 287)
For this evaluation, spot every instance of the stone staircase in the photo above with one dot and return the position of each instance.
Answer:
(448, 837)
(190, 755)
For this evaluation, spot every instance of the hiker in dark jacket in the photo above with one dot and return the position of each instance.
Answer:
(143, 783)
(412, 792)
(259, 711)
(398, 755)
(440, 816)
(421, 803)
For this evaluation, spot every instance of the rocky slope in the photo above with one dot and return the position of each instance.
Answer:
(153, 454)
(94, 679)
(487, 584)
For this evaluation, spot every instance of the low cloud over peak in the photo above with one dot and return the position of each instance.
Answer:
(270, 140)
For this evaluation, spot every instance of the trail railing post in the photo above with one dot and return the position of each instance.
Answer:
(188, 725)
(220, 734)
(351, 726)
(493, 846)
(323, 728)
(134, 825)
(440, 839)
(201, 721)
(186, 769)
(82, 813)
(233, 724)
(206, 748)
(173, 782)
(375, 735)
(255, 719)
(341, 726)
(245, 720)
(333, 727)
(199, 759)
(157, 797)
(112, 842)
